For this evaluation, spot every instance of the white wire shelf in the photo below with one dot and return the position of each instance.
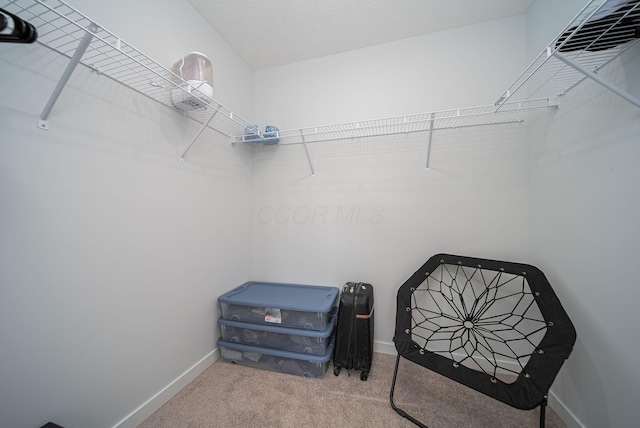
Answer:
(595, 37)
(587, 43)
(424, 122)
(428, 123)
(65, 30)
(598, 34)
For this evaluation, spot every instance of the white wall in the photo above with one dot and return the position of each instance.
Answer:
(112, 254)
(372, 213)
(461, 67)
(584, 205)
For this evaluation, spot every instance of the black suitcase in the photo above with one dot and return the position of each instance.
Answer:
(354, 331)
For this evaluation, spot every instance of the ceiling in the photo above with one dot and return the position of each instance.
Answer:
(268, 33)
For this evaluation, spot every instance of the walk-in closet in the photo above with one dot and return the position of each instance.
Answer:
(131, 198)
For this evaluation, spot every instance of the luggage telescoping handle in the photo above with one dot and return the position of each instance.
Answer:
(359, 285)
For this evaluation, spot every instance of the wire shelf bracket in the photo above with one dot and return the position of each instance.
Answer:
(200, 131)
(306, 150)
(598, 79)
(429, 142)
(43, 123)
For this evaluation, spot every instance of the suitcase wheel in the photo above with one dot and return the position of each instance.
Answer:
(336, 370)
(364, 375)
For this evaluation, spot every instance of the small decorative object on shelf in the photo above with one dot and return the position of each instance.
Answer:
(195, 89)
(270, 135)
(251, 132)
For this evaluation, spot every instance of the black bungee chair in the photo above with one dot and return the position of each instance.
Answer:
(496, 327)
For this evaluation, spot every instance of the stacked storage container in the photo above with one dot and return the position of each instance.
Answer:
(286, 328)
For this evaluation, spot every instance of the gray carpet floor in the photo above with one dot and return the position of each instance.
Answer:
(227, 395)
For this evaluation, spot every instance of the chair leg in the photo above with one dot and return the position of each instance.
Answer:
(393, 406)
(543, 404)
(543, 412)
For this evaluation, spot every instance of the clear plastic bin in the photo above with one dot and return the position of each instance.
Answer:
(283, 305)
(305, 365)
(286, 339)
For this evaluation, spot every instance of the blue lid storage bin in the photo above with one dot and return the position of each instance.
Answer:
(276, 360)
(312, 342)
(284, 305)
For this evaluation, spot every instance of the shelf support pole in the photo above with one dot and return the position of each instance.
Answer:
(633, 100)
(43, 123)
(431, 124)
(306, 150)
(200, 131)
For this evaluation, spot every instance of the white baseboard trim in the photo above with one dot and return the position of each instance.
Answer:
(384, 347)
(565, 414)
(145, 410)
(154, 403)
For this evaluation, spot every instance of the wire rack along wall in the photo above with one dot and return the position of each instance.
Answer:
(427, 123)
(587, 43)
(594, 38)
(70, 33)
(407, 124)
(599, 33)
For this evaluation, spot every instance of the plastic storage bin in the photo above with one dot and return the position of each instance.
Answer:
(276, 360)
(286, 339)
(284, 305)
(196, 70)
